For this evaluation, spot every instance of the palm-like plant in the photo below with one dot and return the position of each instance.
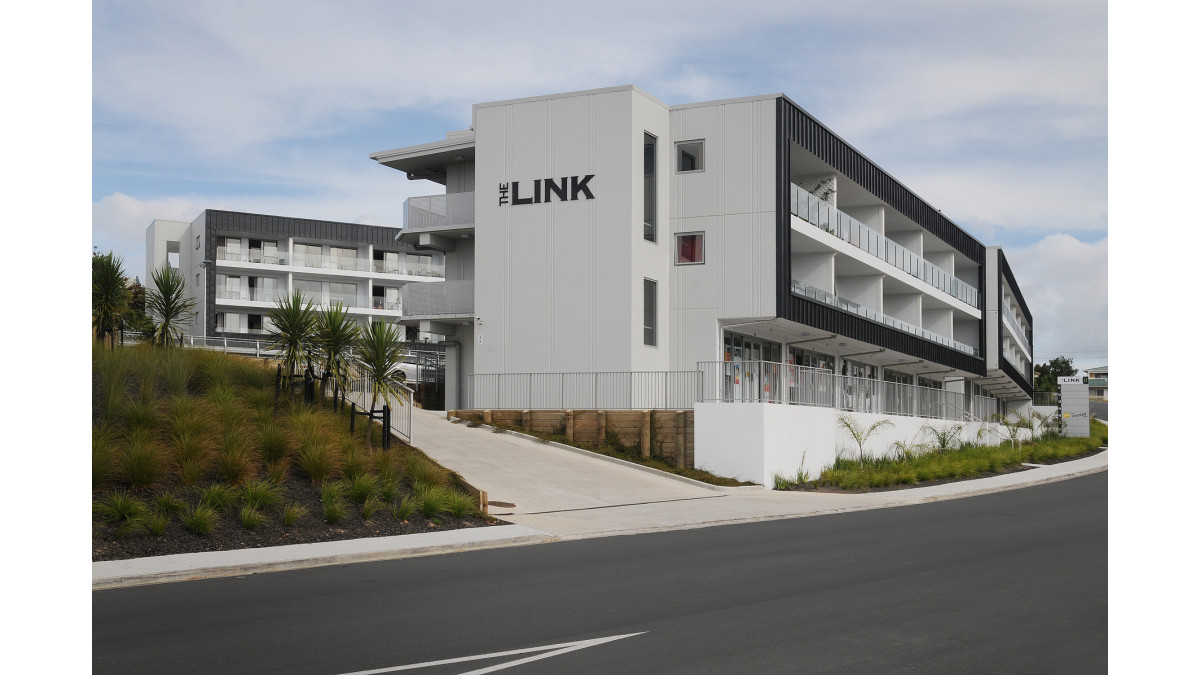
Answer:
(336, 332)
(293, 321)
(379, 352)
(860, 432)
(110, 295)
(168, 305)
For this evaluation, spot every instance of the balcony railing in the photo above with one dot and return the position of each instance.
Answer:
(438, 298)
(822, 214)
(1015, 328)
(253, 295)
(440, 212)
(381, 303)
(253, 256)
(879, 317)
(418, 269)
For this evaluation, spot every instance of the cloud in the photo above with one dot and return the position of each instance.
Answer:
(1065, 284)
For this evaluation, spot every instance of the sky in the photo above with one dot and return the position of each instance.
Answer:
(994, 112)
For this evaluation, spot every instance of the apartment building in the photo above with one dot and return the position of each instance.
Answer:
(236, 265)
(605, 231)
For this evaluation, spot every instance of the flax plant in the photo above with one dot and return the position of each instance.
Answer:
(293, 322)
(168, 305)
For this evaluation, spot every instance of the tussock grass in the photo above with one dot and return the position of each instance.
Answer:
(156, 523)
(168, 504)
(120, 506)
(142, 463)
(422, 473)
(355, 460)
(104, 456)
(137, 415)
(292, 513)
(260, 494)
(361, 488)
(318, 461)
(433, 499)
(251, 517)
(460, 505)
(218, 496)
(405, 508)
(370, 506)
(201, 519)
(273, 443)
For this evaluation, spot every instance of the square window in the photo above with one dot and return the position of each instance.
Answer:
(689, 248)
(689, 156)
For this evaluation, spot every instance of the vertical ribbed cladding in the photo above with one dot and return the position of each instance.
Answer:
(793, 125)
(1005, 272)
(799, 127)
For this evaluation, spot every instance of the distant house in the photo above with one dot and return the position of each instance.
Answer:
(1098, 382)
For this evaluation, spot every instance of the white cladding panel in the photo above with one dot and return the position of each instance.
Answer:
(732, 201)
(556, 284)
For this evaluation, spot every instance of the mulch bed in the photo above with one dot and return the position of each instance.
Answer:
(230, 535)
(812, 487)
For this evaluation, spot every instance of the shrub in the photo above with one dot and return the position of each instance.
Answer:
(317, 461)
(104, 456)
(361, 488)
(142, 462)
(156, 523)
(432, 500)
(218, 496)
(405, 508)
(251, 517)
(460, 505)
(423, 473)
(258, 494)
(273, 444)
(292, 513)
(120, 506)
(201, 519)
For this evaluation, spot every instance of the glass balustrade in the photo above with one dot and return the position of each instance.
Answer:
(879, 317)
(821, 213)
(1015, 327)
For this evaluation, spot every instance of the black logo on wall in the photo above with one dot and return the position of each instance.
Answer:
(567, 188)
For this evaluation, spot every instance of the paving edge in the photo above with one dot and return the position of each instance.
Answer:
(834, 511)
(239, 569)
(595, 455)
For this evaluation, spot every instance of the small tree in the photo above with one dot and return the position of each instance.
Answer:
(168, 305)
(947, 437)
(860, 433)
(336, 332)
(110, 295)
(293, 323)
(1048, 373)
(379, 352)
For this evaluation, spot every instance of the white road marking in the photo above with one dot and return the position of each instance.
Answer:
(558, 649)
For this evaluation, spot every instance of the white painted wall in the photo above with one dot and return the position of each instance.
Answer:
(755, 441)
(732, 202)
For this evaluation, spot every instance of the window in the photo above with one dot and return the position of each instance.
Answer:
(650, 312)
(689, 248)
(197, 242)
(689, 156)
(347, 294)
(650, 193)
(310, 290)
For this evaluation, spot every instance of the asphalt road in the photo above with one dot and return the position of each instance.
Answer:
(1008, 582)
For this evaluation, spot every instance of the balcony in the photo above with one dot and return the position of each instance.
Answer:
(439, 299)
(417, 269)
(440, 212)
(879, 317)
(385, 304)
(821, 214)
(252, 295)
(1014, 327)
(253, 256)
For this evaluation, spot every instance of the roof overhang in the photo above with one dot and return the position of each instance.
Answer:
(429, 161)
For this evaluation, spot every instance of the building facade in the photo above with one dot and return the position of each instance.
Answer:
(236, 265)
(604, 231)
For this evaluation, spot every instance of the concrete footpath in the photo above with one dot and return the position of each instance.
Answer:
(558, 493)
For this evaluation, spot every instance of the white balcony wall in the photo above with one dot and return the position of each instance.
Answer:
(460, 177)
(903, 306)
(864, 289)
(872, 216)
(938, 320)
(966, 331)
(814, 269)
(913, 240)
(943, 259)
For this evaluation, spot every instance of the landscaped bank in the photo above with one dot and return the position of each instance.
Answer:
(195, 451)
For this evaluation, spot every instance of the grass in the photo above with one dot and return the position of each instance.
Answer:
(200, 438)
(949, 463)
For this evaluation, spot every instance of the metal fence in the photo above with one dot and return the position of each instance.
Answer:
(769, 382)
(670, 390)
(359, 392)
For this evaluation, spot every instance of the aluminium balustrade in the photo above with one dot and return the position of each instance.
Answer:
(822, 214)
